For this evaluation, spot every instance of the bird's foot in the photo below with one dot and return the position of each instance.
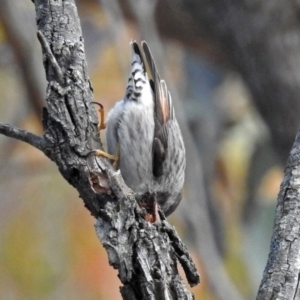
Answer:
(102, 124)
(115, 158)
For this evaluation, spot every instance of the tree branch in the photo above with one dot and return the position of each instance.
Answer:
(144, 253)
(281, 276)
(23, 135)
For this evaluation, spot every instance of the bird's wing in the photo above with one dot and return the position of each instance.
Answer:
(163, 113)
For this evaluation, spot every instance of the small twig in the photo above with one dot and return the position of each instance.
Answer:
(23, 135)
(183, 255)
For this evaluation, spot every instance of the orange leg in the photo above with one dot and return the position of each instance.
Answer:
(115, 158)
(102, 124)
(103, 153)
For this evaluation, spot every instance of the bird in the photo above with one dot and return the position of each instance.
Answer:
(143, 136)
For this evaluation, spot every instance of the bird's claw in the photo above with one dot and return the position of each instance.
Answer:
(102, 124)
(102, 153)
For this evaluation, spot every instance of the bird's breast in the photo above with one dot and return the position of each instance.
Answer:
(135, 135)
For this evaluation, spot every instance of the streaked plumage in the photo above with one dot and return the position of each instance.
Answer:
(144, 127)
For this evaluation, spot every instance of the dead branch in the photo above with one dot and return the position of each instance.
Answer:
(144, 253)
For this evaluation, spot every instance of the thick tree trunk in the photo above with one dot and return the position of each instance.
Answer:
(144, 253)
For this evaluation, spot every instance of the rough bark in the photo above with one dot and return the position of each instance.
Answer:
(282, 273)
(144, 253)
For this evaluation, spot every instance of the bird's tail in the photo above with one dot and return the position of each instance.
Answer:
(137, 76)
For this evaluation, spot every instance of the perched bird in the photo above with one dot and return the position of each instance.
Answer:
(143, 136)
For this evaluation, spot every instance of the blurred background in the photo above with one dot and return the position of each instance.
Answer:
(233, 69)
